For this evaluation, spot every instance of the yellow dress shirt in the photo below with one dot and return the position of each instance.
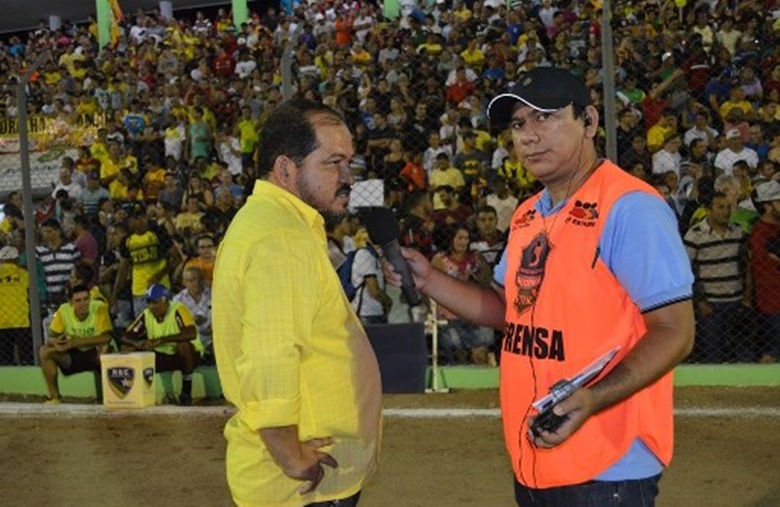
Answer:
(290, 351)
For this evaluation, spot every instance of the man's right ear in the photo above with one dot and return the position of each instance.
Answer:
(280, 167)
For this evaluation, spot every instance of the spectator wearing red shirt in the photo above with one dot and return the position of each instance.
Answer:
(413, 173)
(454, 211)
(461, 89)
(654, 103)
(773, 83)
(343, 29)
(85, 242)
(417, 228)
(224, 64)
(765, 263)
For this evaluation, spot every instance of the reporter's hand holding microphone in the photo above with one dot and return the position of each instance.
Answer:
(403, 267)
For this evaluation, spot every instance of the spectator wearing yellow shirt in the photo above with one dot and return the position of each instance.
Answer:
(360, 56)
(658, 133)
(112, 164)
(247, 130)
(154, 179)
(15, 337)
(148, 254)
(87, 104)
(119, 188)
(483, 141)
(167, 328)
(78, 334)
(473, 57)
(188, 221)
(431, 46)
(462, 12)
(444, 175)
(51, 75)
(736, 100)
(99, 148)
(291, 352)
(517, 178)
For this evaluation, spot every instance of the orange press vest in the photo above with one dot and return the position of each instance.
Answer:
(562, 314)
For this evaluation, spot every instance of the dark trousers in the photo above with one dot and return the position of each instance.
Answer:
(346, 502)
(16, 346)
(719, 334)
(637, 493)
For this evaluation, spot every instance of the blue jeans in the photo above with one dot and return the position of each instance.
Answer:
(347, 502)
(635, 493)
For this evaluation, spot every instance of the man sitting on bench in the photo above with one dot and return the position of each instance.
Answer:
(167, 328)
(79, 332)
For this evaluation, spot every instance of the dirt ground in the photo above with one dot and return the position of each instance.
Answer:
(178, 460)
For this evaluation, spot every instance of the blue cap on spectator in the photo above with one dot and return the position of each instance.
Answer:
(545, 89)
(156, 292)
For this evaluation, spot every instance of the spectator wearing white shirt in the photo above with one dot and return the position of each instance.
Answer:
(701, 130)
(434, 148)
(67, 184)
(229, 149)
(245, 66)
(734, 150)
(196, 296)
(668, 158)
(363, 23)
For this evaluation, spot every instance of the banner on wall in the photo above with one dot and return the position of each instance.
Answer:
(51, 139)
(48, 132)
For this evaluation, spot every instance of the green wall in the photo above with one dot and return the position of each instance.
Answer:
(28, 380)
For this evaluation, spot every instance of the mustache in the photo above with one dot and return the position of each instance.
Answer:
(344, 189)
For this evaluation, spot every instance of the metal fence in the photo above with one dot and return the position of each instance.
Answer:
(165, 125)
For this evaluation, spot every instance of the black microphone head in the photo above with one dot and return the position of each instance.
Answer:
(381, 225)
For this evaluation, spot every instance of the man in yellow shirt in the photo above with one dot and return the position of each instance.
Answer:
(148, 254)
(15, 315)
(78, 334)
(167, 328)
(444, 175)
(246, 129)
(473, 56)
(291, 352)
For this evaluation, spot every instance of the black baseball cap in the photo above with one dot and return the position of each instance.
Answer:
(545, 89)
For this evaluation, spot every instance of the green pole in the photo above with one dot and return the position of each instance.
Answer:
(240, 13)
(103, 10)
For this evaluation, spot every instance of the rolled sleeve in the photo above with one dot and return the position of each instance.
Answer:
(279, 303)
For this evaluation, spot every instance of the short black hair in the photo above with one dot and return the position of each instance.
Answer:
(72, 291)
(487, 209)
(84, 272)
(290, 131)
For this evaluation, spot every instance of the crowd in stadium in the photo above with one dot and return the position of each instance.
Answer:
(147, 200)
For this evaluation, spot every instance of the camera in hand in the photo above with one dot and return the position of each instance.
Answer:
(547, 420)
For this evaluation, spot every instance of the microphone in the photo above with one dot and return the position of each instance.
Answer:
(383, 230)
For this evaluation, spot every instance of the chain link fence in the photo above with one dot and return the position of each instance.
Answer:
(163, 128)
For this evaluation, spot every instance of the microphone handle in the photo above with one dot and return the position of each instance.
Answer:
(392, 252)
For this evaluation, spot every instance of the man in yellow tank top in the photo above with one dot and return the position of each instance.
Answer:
(78, 334)
(167, 328)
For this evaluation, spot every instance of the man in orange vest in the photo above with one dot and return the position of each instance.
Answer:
(593, 263)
